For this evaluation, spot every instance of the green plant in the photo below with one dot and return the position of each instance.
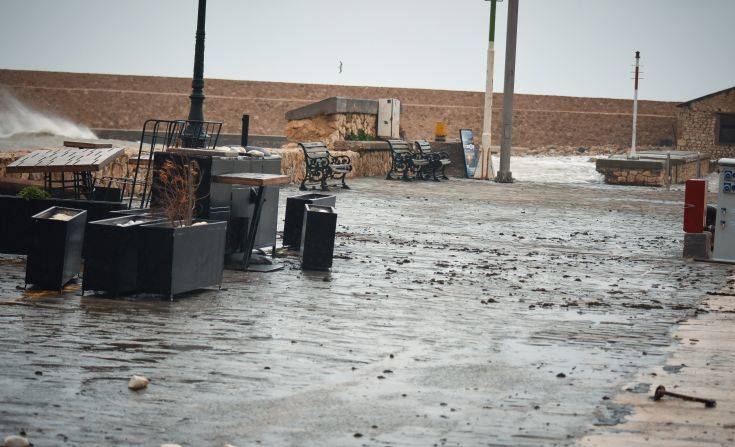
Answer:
(34, 192)
(361, 136)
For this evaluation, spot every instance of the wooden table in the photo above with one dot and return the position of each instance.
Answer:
(86, 145)
(252, 179)
(80, 162)
(260, 181)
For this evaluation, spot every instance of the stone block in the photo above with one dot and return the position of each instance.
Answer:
(698, 245)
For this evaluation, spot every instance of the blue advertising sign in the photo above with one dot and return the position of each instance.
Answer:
(470, 151)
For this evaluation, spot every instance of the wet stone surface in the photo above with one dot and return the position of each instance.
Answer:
(457, 313)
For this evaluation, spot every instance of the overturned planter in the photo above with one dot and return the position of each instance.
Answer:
(174, 260)
(295, 215)
(55, 251)
(111, 259)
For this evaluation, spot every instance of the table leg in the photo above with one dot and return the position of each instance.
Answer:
(253, 230)
(88, 184)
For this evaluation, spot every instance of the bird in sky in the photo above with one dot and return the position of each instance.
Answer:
(340, 66)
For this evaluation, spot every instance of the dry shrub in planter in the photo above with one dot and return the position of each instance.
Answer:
(177, 189)
(180, 254)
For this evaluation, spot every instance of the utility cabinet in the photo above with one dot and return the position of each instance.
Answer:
(389, 118)
(725, 223)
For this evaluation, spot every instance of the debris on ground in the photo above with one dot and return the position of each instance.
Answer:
(138, 383)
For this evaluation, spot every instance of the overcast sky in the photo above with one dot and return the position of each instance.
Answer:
(565, 47)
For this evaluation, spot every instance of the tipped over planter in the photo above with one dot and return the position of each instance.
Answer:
(295, 215)
(55, 251)
(174, 260)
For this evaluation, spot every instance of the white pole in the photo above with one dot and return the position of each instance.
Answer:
(486, 160)
(635, 106)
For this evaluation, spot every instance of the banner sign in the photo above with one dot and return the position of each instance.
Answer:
(470, 151)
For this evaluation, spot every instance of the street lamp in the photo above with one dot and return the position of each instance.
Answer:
(486, 160)
(194, 135)
(504, 174)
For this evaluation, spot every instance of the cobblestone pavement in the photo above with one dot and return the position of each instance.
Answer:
(457, 313)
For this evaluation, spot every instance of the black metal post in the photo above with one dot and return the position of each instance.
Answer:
(245, 130)
(194, 135)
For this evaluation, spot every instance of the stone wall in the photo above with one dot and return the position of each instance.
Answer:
(330, 128)
(650, 172)
(125, 102)
(697, 125)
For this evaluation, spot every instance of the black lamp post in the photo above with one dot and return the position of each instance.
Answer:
(194, 135)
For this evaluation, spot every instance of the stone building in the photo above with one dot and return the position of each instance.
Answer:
(707, 124)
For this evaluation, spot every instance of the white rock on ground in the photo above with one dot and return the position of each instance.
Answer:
(16, 441)
(138, 383)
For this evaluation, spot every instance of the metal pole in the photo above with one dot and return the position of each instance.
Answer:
(486, 160)
(194, 134)
(504, 174)
(245, 131)
(635, 106)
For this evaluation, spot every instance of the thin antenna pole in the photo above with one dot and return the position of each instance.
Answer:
(632, 153)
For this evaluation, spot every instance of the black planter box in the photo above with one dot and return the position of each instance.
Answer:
(107, 194)
(176, 260)
(55, 252)
(111, 259)
(295, 215)
(16, 212)
(317, 237)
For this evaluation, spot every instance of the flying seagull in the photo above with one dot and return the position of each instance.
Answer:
(340, 66)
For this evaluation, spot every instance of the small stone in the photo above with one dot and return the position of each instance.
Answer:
(138, 383)
(16, 441)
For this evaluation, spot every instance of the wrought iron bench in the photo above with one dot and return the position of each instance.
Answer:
(405, 161)
(321, 165)
(437, 160)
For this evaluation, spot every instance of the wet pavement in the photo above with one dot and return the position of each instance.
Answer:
(457, 313)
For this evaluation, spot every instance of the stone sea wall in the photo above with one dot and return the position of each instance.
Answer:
(125, 102)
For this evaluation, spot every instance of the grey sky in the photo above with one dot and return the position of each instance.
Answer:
(566, 47)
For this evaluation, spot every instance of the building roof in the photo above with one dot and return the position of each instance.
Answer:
(684, 104)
